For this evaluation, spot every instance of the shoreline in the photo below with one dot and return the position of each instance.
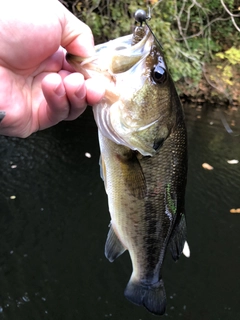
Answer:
(213, 88)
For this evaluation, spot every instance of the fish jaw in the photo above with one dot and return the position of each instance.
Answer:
(128, 119)
(112, 57)
(126, 67)
(142, 113)
(108, 121)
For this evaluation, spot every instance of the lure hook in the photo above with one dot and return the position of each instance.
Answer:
(141, 16)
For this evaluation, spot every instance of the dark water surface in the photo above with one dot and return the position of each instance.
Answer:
(52, 235)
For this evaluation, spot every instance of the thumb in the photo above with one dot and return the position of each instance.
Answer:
(77, 37)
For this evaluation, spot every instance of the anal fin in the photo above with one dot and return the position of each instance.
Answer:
(177, 241)
(113, 246)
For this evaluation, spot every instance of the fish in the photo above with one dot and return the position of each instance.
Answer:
(143, 145)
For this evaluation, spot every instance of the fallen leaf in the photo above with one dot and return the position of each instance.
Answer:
(88, 155)
(235, 210)
(207, 166)
(233, 161)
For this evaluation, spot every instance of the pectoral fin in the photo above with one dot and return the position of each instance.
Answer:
(103, 174)
(102, 168)
(132, 174)
(113, 246)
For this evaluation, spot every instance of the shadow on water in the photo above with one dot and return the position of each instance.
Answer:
(52, 234)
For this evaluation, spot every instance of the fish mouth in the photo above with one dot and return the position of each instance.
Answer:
(116, 62)
(125, 63)
(113, 57)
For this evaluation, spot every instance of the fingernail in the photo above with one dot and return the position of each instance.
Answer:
(81, 92)
(60, 90)
(86, 45)
(2, 115)
(88, 52)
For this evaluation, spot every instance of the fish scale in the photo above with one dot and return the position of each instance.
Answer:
(143, 144)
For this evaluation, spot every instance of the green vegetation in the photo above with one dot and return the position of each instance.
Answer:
(201, 39)
(232, 58)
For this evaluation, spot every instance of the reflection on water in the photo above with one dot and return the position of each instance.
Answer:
(54, 221)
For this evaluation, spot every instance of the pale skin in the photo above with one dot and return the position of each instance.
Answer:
(38, 88)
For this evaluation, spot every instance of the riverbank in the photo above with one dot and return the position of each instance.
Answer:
(213, 87)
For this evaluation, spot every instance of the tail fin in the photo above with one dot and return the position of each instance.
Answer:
(153, 298)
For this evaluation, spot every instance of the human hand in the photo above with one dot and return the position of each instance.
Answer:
(38, 88)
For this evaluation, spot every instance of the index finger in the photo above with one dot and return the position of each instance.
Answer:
(77, 37)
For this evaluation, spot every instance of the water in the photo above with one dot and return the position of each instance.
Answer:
(54, 221)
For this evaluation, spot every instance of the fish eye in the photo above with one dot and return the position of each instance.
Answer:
(159, 74)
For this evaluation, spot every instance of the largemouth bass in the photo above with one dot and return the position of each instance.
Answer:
(143, 145)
